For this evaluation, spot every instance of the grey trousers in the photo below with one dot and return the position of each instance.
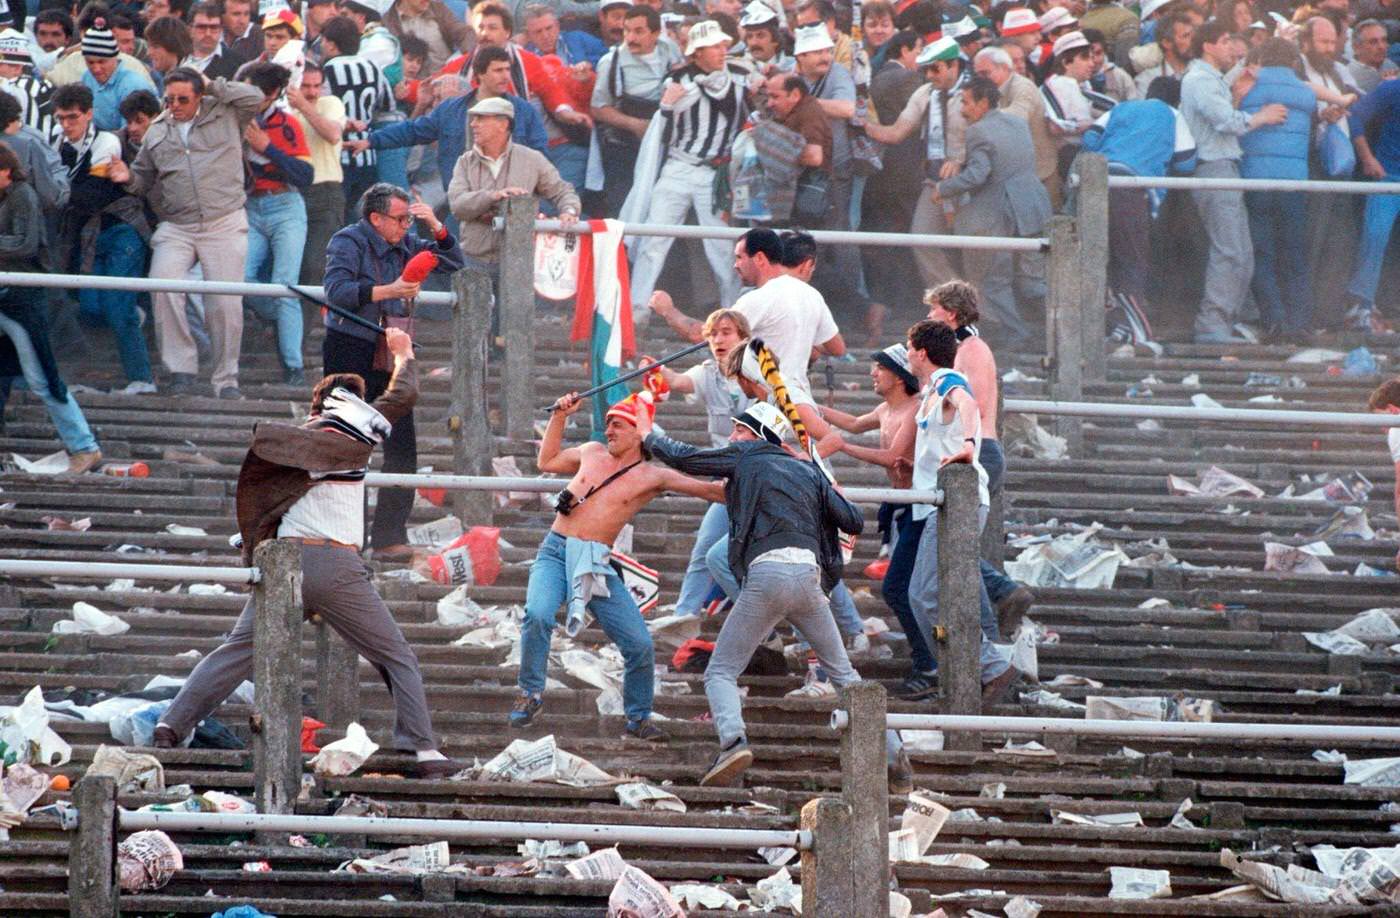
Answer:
(772, 592)
(335, 585)
(1230, 264)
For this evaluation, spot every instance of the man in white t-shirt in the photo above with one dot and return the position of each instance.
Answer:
(786, 313)
(1386, 400)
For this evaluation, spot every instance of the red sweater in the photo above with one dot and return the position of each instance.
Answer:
(528, 77)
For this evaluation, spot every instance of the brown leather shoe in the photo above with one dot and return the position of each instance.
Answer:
(437, 769)
(84, 462)
(165, 737)
(994, 692)
(394, 553)
(1013, 608)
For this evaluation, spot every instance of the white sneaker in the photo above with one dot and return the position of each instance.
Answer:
(139, 387)
(813, 687)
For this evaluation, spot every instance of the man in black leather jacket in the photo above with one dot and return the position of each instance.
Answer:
(783, 517)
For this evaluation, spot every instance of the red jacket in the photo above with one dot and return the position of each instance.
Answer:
(528, 77)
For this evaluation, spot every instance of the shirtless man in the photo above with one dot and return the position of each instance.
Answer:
(611, 482)
(897, 387)
(955, 304)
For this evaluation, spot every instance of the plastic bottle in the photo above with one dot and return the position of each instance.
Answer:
(127, 469)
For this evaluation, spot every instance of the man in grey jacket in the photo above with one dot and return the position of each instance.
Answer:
(191, 166)
(1005, 198)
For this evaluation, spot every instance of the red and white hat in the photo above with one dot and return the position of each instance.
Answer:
(1057, 17)
(1068, 42)
(626, 410)
(1019, 21)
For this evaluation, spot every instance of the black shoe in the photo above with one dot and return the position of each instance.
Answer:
(230, 393)
(646, 731)
(294, 376)
(525, 709)
(729, 765)
(918, 686)
(181, 384)
(165, 737)
(436, 768)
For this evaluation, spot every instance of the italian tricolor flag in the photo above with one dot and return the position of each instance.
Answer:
(603, 312)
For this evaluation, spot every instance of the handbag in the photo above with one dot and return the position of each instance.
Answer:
(1334, 149)
(813, 201)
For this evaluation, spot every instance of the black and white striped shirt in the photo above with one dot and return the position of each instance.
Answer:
(35, 97)
(701, 128)
(361, 87)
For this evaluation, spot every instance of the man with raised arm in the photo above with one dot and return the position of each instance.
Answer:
(611, 482)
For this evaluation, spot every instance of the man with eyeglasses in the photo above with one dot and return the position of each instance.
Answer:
(210, 56)
(364, 268)
(184, 166)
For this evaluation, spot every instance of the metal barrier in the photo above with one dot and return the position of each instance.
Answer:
(1253, 416)
(158, 285)
(180, 573)
(1307, 186)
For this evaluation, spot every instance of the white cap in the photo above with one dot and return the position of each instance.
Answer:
(765, 421)
(704, 34)
(14, 48)
(1057, 17)
(963, 26)
(757, 13)
(381, 7)
(1068, 42)
(1152, 6)
(493, 106)
(814, 37)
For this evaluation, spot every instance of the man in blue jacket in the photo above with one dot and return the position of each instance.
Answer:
(447, 124)
(1375, 132)
(364, 268)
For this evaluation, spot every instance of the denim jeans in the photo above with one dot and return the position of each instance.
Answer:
(1381, 211)
(617, 615)
(923, 598)
(276, 240)
(67, 417)
(999, 586)
(697, 582)
(1278, 224)
(773, 592)
(843, 607)
(895, 589)
(120, 253)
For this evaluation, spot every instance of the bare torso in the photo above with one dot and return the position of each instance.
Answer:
(976, 362)
(600, 517)
(892, 420)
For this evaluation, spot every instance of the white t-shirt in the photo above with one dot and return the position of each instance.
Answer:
(791, 317)
(1394, 438)
(722, 397)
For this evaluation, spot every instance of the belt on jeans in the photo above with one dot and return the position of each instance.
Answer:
(267, 192)
(325, 543)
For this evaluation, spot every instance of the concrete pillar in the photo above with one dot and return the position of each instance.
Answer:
(1063, 314)
(517, 308)
(1091, 223)
(865, 789)
(959, 611)
(337, 680)
(828, 877)
(468, 419)
(92, 858)
(277, 676)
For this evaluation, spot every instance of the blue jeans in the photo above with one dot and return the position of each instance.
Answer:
(697, 582)
(923, 598)
(120, 253)
(67, 417)
(392, 166)
(895, 589)
(843, 607)
(617, 615)
(1278, 224)
(999, 586)
(571, 160)
(1381, 211)
(276, 240)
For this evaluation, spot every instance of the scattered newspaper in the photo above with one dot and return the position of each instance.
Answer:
(542, 760)
(147, 860)
(636, 895)
(641, 796)
(436, 535)
(699, 895)
(1292, 559)
(135, 772)
(1126, 820)
(414, 860)
(1021, 907)
(605, 864)
(777, 892)
(1373, 772)
(1103, 707)
(551, 849)
(923, 817)
(1137, 883)
(1213, 482)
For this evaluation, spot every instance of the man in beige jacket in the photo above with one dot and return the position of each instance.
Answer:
(1021, 97)
(191, 167)
(495, 169)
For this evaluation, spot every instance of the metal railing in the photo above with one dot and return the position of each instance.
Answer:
(1253, 416)
(179, 573)
(825, 237)
(181, 285)
(1308, 186)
